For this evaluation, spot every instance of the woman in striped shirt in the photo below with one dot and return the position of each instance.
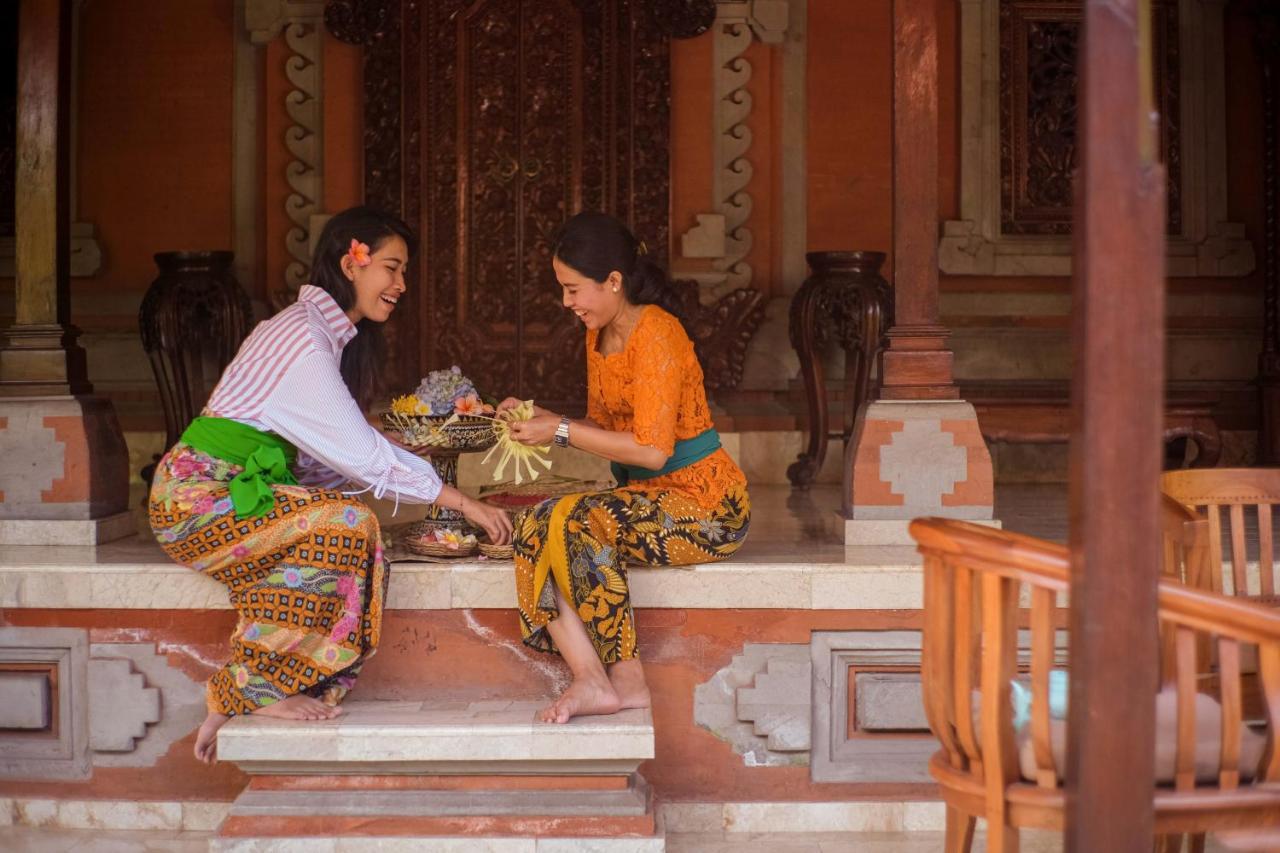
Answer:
(252, 496)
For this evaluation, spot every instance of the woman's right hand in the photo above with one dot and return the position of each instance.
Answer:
(512, 402)
(493, 521)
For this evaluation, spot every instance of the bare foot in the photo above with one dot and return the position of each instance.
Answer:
(627, 678)
(585, 696)
(207, 738)
(299, 707)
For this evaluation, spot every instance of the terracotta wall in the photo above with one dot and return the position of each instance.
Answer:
(850, 88)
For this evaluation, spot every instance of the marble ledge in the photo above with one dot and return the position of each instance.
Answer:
(392, 737)
(863, 578)
(439, 844)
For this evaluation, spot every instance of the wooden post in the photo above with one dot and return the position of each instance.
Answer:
(917, 450)
(66, 459)
(1116, 444)
(40, 356)
(917, 364)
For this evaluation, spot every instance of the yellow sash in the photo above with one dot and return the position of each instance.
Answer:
(554, 558)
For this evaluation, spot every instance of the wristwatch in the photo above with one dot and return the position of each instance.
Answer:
(562, 433)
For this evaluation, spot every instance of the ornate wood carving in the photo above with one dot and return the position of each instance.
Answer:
(721, 332)
(683, 19)
(488, 123)
(848, 303)
(1039, 41)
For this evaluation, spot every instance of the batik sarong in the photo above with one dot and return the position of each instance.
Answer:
(584, 544)
(308, 579)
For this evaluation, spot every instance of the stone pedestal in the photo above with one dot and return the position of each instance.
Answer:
(440, 776)
(64, 472)
(913, 458)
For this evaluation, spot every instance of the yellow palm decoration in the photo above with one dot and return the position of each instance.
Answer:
(526, 458)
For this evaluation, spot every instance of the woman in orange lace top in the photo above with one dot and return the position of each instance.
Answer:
(680, 498)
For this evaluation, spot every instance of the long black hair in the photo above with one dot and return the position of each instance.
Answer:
(596, 244)
(362, 359)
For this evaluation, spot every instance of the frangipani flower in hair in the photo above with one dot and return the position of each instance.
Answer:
(359, 253)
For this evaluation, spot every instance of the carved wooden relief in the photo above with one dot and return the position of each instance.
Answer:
(1038, 75)
(487, 124)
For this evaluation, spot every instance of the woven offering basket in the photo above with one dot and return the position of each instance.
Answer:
(497, 552)
(435, 549)
(464, 434)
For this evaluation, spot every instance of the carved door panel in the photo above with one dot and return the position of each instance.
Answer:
(520, 103)
(488, 123)
(519, 174)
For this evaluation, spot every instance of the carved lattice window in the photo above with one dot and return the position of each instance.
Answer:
(1039, 40)
(1018, 139)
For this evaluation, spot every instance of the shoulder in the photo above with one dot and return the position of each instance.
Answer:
(293, 332)
(662, 328)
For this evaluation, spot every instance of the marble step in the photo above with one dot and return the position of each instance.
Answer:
(439, 738)
(629, 801)
(437, 844)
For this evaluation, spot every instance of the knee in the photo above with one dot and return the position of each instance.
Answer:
(359, 516)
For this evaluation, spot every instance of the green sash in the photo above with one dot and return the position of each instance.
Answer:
(265, 457)
(685, 454)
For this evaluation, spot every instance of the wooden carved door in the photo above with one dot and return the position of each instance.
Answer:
(487, 124)
(503, 155)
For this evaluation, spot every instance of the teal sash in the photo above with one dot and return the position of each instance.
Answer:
(265, 457)
(685, 454)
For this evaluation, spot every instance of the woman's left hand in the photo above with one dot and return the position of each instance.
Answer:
(538, 431)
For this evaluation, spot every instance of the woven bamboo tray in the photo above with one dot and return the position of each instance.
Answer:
(496, 552)
(436, 549)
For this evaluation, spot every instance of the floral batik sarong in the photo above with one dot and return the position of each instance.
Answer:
(308, 579)
(584, 543)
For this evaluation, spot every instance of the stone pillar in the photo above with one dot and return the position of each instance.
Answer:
(917, 450)
(63, 462)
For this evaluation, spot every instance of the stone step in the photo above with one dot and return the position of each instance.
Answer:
(424, 775)
(438, 844)
(491, 737)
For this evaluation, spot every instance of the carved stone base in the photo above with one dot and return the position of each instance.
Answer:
(67, 531)
(916, 458)
(42, 360)
(61, 458)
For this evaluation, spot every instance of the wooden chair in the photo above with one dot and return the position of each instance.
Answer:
(1212, 773)
(1246, 495)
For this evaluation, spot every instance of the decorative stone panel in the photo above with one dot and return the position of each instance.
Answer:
(48, 662)
(868, 705)
(66, 705)
(759, 704)
(139, 705)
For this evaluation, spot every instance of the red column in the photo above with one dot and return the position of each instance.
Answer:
(917, 364)
(1116, 447)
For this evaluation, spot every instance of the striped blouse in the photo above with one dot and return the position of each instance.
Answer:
(286, 379)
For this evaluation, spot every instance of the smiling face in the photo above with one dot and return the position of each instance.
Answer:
(595, 303)
(379, 284)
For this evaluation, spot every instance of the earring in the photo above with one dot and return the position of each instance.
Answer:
(615, 290)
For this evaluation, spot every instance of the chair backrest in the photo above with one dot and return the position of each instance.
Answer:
(974, 578)
(1242, 549)
(976, 582)
(1185, 538)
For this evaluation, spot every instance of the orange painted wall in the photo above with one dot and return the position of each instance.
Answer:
(154, 133)
(850, 83)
